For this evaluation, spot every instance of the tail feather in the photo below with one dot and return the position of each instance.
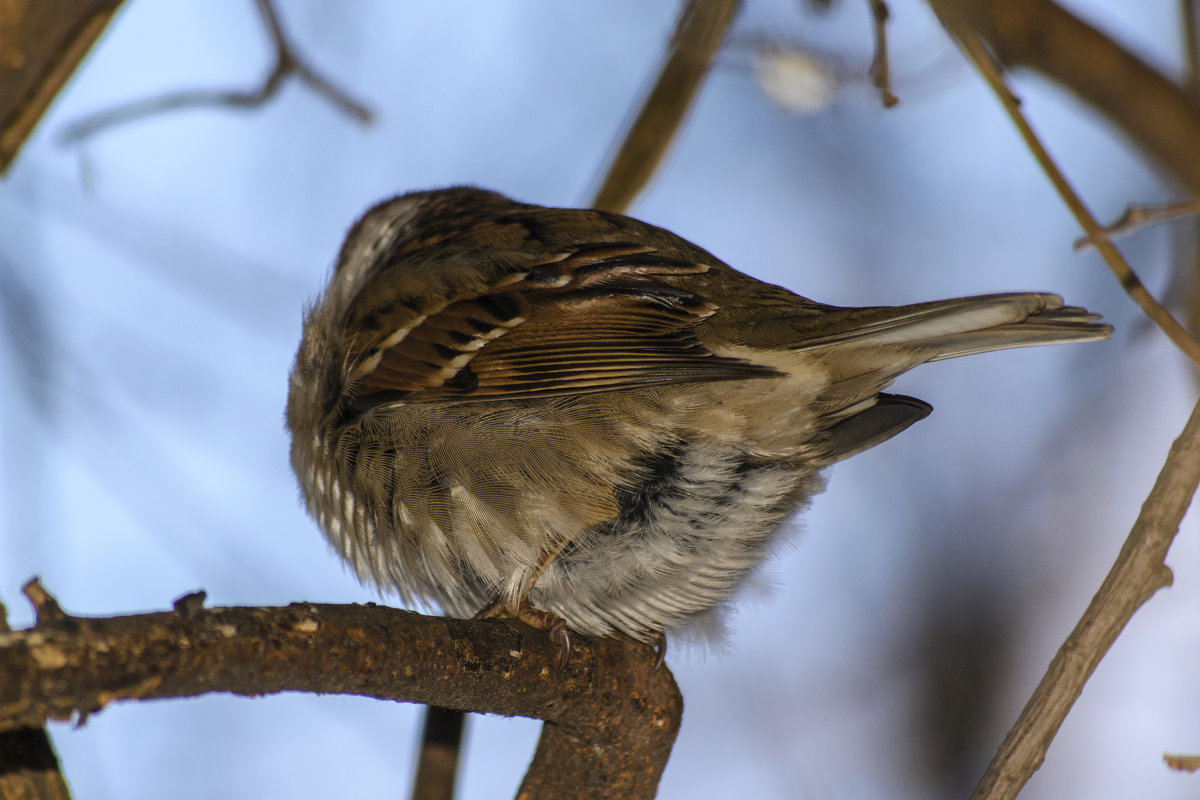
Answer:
(864, 349)
(962, 326)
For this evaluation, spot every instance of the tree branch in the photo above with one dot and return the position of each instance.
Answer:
(28, 765)
(1142, 215)
(1162, 118)
(41, 44)
(288, 63)
(969, 40)
(880, 70)
(437, 762)
(1139, 571)
(611, 716)
(698, 34)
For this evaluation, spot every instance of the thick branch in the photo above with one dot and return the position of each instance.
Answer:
(698, 34)
(29, 767)
(1140, 571)
(41, 44)
(611, 717)
(1162, 118)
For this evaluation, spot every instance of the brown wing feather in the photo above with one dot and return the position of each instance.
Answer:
(592, 320)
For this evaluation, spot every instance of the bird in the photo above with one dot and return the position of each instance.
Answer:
(582, 421)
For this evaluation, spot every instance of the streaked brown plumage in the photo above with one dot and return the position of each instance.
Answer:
(556, 413)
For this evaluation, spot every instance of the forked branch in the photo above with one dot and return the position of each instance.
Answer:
(611, 717)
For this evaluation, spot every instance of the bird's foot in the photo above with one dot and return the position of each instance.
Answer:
(660, 649)
(548, 621)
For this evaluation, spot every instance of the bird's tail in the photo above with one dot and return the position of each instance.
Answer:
(864, 349)
(962, 326)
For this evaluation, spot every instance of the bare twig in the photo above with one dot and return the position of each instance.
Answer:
(437, 764)
(1161, 117)
(881, 76)
(612, 717)
(698, 34)
(288, 63)
(1128, 279)
(1139, 216)
(1139, 571)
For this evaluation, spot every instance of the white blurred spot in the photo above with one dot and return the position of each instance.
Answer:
(795, 81)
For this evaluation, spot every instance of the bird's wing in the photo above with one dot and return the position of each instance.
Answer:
(591, 319)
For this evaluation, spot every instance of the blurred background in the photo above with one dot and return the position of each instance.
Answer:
(152, 279)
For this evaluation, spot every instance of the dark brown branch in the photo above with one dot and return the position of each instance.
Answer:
(288, 63)
(41, 44)
(28, 765)
(611, 718)
(29, 768)
(1163, 119)
(437, 764)
(698, 34)
(1139, 571)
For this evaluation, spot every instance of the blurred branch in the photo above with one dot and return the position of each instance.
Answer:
(437, 764)
(1162, 119)
(698, 34)
(1130, 282)
(28, 766)
(1186, 250)
(611, 717)
(1182, 763)
(881, 72)
(288, 63)
(1139, 571)
(1191, 46)
(41, 44)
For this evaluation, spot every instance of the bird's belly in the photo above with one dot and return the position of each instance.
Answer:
(684, 540)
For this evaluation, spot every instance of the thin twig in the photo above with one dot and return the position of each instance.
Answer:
(1128, 279)
(698, 34)
(881, 74)
(1154, 111)
(1139, 216)
(287, 63)
(1139, 571)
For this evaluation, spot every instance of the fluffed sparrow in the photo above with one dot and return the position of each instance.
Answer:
(570, 415)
